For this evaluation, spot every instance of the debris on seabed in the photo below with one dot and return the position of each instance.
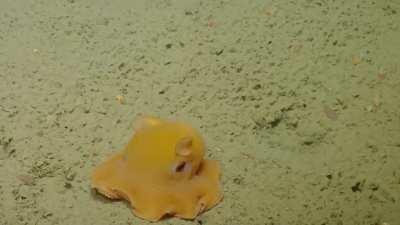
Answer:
(120, 99)
(330, 113)
(356, 60)
(26, 179)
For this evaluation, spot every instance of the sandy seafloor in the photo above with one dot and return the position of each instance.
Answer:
(298, 100)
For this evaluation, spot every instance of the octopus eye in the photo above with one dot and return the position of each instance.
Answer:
(182, 167)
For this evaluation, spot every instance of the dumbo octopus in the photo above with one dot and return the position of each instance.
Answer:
(161, 172)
